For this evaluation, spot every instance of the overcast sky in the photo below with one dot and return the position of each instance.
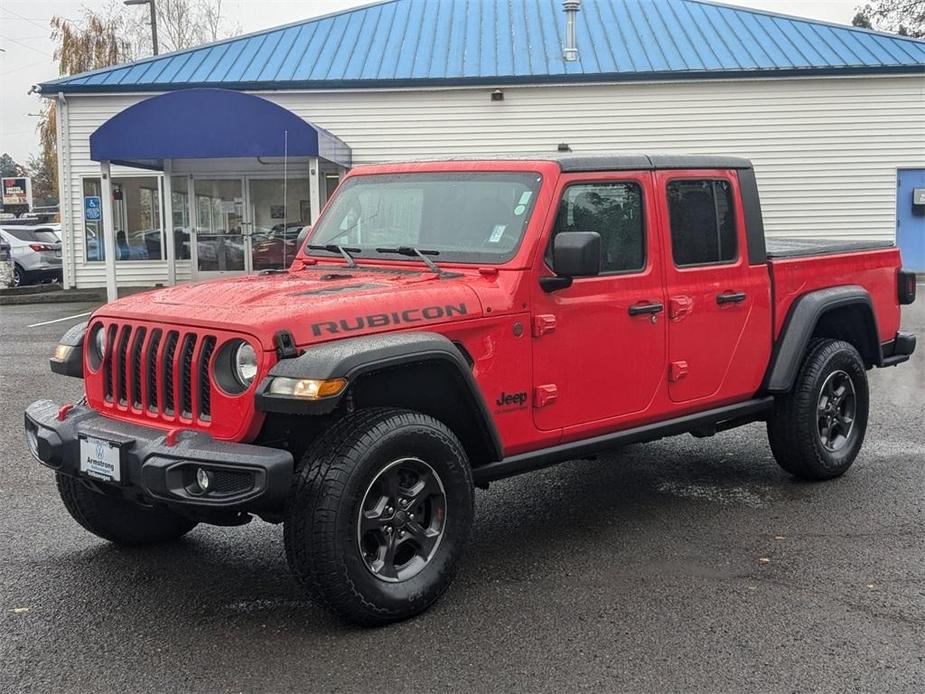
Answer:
(26, 56)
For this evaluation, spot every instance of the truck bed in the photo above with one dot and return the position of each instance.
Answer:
(798, 266)
(806, 246)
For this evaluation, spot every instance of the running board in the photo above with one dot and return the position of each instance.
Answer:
(733, 415)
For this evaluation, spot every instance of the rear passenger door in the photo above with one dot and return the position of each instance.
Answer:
(718, 304)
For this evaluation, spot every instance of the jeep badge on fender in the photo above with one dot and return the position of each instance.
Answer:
(506, 400)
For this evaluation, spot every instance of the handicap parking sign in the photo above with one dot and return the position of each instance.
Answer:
(93, 212)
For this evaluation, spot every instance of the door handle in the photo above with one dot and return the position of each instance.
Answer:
(730, 298)
(642, 309)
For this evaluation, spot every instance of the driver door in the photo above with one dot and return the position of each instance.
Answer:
(600, 345)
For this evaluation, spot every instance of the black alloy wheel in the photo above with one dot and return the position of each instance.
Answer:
(836, 410)
(401, 520)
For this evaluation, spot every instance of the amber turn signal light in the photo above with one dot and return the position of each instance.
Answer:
(307, 388)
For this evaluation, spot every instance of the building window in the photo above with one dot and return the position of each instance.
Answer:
(181, 224)
(137, 215)
(93, 228)
(613, 210)
(703, 229)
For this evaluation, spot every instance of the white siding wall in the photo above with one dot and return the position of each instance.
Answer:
(826, 150)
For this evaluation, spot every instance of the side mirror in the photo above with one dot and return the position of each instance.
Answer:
(303, 234)
(574, 254)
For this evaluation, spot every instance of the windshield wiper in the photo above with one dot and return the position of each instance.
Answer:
(334, 248)
(412, 252)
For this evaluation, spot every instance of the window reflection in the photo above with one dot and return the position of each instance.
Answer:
(137, 219)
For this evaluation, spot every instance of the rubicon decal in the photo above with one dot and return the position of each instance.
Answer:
(382, 320)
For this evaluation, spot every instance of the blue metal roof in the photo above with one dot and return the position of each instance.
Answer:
(431, 42)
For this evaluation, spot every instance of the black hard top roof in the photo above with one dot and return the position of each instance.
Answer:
(580, 162)
(623, 162)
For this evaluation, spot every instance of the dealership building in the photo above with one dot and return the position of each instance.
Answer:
(204, 162)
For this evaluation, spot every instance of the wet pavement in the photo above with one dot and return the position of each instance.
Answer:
(683, 565)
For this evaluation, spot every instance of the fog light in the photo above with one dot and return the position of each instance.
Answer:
(307, 388)
(204, 479)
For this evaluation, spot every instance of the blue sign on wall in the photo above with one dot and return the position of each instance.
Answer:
(93, 210)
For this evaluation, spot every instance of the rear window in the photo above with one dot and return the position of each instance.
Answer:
(28, 235)
(703, 229)
(47, 235)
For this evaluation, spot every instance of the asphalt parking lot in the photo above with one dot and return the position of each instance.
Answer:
(681, 565)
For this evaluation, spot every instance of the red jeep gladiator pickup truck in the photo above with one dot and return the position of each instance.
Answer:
(451, 323)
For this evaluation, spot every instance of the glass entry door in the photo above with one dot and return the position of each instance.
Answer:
(246, 223)
(221, 243)
(278, 209)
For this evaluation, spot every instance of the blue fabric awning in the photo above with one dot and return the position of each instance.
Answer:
(209, 124)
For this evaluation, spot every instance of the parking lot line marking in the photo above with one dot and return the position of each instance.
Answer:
(59, 320)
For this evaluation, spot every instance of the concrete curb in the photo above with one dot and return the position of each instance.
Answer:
(53, 297)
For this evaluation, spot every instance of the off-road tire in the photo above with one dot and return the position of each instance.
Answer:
(118, 520)
(794, 430)
(322, 525)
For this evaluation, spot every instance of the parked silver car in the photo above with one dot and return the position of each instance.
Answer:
(35, 252)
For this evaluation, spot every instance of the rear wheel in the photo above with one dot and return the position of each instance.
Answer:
(379, 515)
(19, 276)
(118, 520)
(818, 427)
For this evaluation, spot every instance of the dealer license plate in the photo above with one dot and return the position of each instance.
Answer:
(100, 459)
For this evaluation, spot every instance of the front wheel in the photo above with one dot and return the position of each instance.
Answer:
(118, 520)
(379, 515)
(817, 428)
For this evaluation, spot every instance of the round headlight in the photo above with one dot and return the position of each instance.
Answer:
(100, 341)
(245, 364)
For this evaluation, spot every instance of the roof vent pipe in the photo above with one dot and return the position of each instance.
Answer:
(570, 50)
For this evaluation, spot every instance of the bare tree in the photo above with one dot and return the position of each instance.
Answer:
(10, 167)
(44, 189)
(903, 17)
(181, 24)
(115, 35)
(95, 41)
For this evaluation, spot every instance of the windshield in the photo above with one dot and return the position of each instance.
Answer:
(465, 217)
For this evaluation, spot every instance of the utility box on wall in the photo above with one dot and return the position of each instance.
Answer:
(910, 218)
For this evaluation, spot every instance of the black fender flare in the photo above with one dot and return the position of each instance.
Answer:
(73, 362)
(354, 357)
(801, 321)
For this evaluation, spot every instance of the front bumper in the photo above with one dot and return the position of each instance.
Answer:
(247, 477)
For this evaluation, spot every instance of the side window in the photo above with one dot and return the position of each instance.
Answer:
(703, 229)
(613, 210)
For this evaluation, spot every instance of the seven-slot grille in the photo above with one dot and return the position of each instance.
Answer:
(160, 371)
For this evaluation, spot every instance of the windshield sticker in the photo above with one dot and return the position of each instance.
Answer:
(497, 233)
(525, 198)
(520, 209)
